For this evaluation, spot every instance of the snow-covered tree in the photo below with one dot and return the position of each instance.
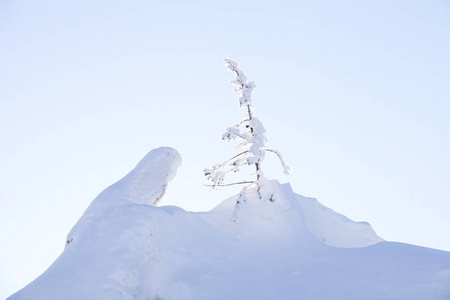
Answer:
(252, 136)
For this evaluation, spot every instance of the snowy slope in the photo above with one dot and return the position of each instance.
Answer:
(294, 248)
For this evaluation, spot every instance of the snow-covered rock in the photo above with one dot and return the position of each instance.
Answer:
(291, 248)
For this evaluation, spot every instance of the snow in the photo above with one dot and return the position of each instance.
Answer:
(146, 184)
(289, 247)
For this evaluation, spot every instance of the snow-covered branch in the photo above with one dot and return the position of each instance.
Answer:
(286, 168)
(233, 133)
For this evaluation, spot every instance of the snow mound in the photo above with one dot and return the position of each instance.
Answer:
(289, 248)
(305, 215)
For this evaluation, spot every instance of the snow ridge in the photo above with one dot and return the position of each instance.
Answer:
(289, 247)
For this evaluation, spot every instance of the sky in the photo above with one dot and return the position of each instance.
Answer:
(354, 95)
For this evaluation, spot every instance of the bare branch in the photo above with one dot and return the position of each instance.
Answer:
(228, 184)
(241, 122)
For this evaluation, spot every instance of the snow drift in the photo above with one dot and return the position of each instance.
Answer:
(124, 247)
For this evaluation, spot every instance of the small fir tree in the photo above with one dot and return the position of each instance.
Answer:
(250, 131)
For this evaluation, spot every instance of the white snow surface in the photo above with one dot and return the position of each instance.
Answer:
(124, 247)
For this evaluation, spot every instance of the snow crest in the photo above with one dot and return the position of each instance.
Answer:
(146, 183)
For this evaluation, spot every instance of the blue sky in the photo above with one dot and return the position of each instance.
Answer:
(355, 95)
